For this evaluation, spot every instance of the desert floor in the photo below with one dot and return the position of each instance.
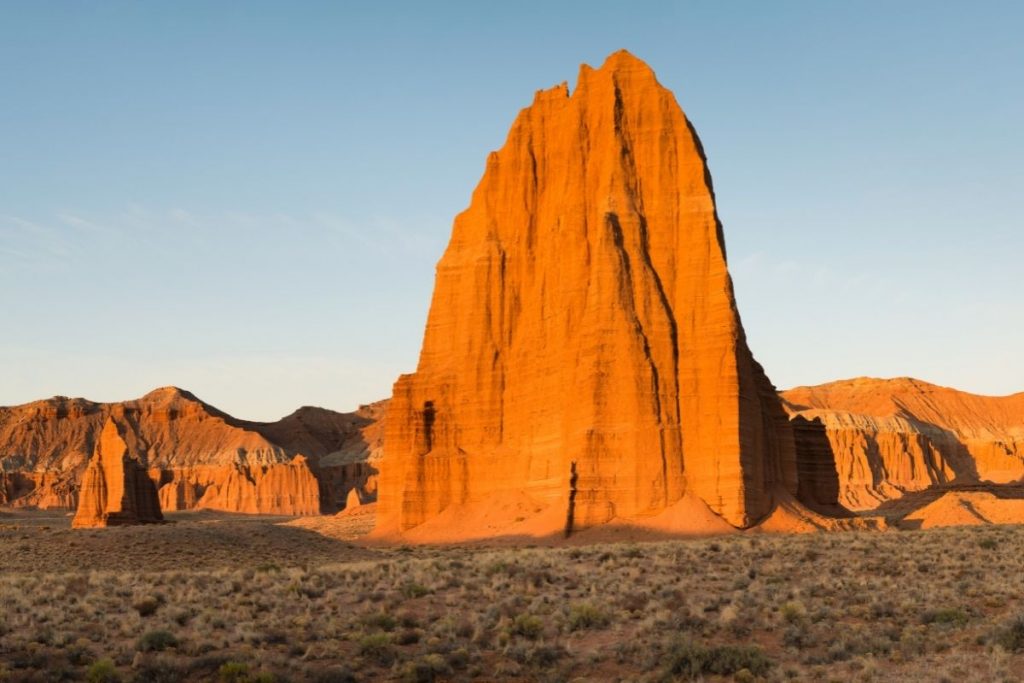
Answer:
(235, 598)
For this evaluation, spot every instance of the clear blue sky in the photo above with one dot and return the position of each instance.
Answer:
(247, 199)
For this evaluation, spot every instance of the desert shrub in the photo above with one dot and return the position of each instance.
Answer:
(692, 661)
(634, 602)
(458, 659)
(794, 611)
(181, 617)
(377, 646)
(308, 591)
(414, 590)
(408, 636)
(988, 543)
(408, 620)
(426, 669)
(527, 626)
(839, 651)
(543, 656)
(102, 671)
(148, 605)
(728, 659)
(797, 636)
(632, 552)
(380, 621)
(336, 674)
(686, 659)
(953, 617)
(585, 615)
(1011, 636)
(78, 653)
(159, 672)
(233, 672)
(156, 641)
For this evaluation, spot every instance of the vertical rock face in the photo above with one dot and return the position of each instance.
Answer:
(116, 488)
(818, 479)
(286, 488)
(889, 437)
(583, 353)
(282, 488)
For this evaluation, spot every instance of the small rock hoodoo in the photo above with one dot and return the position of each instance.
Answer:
(116, 488)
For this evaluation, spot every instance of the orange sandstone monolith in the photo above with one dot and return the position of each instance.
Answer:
(584, 360)
(116, 488)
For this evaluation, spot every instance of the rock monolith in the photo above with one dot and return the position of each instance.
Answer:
(583, 360)
(116, 489)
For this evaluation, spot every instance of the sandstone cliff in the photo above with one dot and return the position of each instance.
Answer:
(583, 359)
(199, 456)
(116, 489)
(891, 437)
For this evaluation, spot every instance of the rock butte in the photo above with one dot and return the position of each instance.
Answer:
(199, 457)
(116, 490)
(891, 437)
(583, 361)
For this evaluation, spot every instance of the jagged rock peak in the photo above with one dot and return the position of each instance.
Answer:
(583, 357)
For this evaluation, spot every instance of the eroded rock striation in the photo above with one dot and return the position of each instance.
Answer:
(583, 359)
(116, 489)
(200, 457)
(895, 436)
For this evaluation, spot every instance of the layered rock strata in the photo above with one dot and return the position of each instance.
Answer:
(892, 437)
(583, 359)
(116, 489)
(200, 457)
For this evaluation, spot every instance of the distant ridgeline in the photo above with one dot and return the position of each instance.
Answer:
(197, 456)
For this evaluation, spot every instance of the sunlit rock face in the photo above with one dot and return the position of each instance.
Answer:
(116, 489)
(890, 437)
(198, 456)
(583, 359)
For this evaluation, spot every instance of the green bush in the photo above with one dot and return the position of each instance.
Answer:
(156, 641)
(336, 674)
(380, 621)
(527, 626)
(950, 616)
(691, 660)
(414, 590)
(102, 671)
(233, 672)
(585, 615)
(426, 669)
(377, 646)
(1011, 636)
(794, 611)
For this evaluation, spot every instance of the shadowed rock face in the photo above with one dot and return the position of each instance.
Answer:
(892, 437)
(583, 345)
(116, 490)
